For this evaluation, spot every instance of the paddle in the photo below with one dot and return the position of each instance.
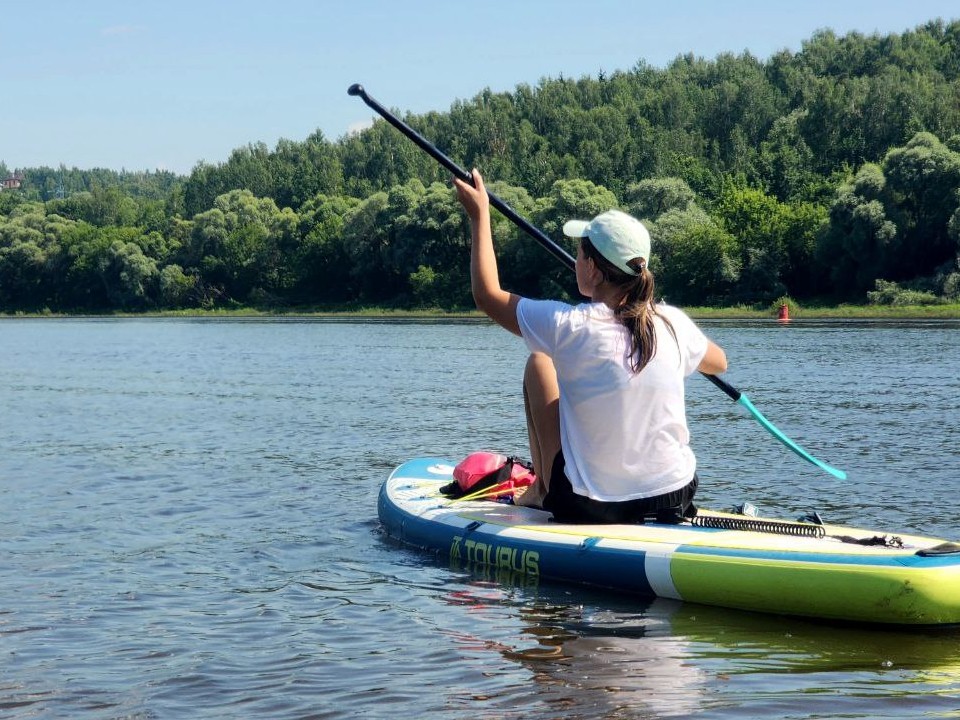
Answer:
(565, 257)
(743, 400)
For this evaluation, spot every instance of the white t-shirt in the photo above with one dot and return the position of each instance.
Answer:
(624, 434)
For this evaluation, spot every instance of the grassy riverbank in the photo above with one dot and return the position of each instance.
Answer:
(918, 312)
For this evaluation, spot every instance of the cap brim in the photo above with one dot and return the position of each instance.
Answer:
(575, 228)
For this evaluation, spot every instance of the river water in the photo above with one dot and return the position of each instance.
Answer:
(188, 527)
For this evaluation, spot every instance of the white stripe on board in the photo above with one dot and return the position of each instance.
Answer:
(657, 567)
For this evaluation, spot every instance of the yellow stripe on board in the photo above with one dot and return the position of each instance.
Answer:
(689, 536)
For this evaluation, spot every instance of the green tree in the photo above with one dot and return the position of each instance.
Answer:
(787, 161)
(243, 244)
(534, 162)
(30, 256)
(8, 201)
(694, 259)
(129, 276)
(857, 244)
(652, 197)
(428, 232)
(365, 238)
(176, 288)
(303, 170)
(758, 222)
(22, 264)
(103, 207)
(922, 180)
(321, 261)
(804, 224)
(380, 158)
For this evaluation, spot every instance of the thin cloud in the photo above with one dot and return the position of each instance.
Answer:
(357, 127)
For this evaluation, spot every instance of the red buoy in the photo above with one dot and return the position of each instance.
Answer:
(784, 314)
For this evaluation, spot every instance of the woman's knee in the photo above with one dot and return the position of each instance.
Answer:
(540, 376)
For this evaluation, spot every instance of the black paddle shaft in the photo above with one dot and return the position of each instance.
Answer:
(536, 233)
(729, 389)
(511, 214)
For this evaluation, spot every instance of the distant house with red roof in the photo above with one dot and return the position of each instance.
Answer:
(12, 182)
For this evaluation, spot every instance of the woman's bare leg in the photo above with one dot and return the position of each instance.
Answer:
(541, 400)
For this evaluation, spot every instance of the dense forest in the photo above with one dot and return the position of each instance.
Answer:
(830, 174)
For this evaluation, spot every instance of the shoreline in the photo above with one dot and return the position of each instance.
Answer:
(838, 312)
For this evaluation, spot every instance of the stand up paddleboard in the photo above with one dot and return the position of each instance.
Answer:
(721, 559)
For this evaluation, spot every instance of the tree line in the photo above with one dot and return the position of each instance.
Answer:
(831, 173)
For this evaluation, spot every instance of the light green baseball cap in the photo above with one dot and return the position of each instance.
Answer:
(617, 236)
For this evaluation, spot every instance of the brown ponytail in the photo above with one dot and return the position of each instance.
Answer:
(638, 310)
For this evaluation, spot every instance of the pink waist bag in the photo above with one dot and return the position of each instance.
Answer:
(481, 470)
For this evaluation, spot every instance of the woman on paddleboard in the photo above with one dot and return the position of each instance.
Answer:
(604, 385)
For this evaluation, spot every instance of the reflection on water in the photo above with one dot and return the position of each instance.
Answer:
(583, 662)
(610, 657)
(611, 662)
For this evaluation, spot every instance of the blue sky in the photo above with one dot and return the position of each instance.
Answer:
(140, 84)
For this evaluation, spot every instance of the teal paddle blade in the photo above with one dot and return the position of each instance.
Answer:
(775, 431)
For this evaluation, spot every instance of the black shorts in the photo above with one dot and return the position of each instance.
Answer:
(569, 507)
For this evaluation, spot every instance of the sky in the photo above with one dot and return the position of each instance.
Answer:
(149, 85)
